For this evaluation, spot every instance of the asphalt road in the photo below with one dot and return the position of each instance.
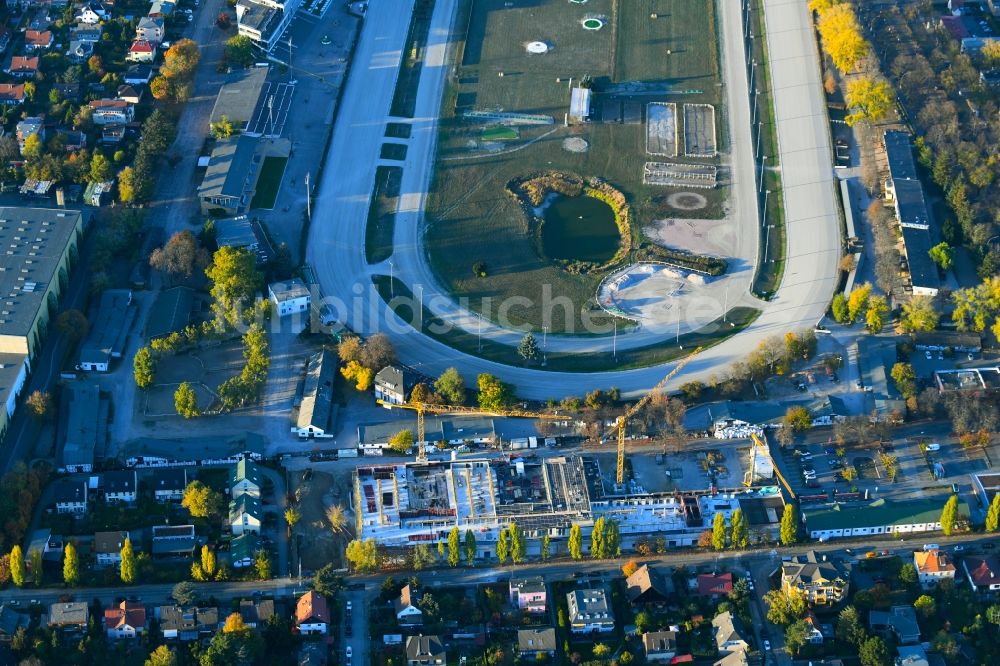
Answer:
(336, 241)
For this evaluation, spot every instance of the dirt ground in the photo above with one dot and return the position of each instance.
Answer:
(318, 545)
(711, 237)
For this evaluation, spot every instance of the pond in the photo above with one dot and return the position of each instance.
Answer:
(579, 229)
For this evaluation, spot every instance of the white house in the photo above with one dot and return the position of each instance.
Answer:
(405, 606)
(150, 29)
(933, 566)
(141, 51)
(168, 484)
(590, 611)
(290, 296)
(111, 112)
(120, 486)
(245, 479)
(245, 515)
(311, 614)
(107, 548)
(128, 620)
(92, 13)
(71, 497)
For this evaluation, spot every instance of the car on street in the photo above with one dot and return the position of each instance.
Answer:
(927, 355)
(767, 645)
(959, 548)
(348, 653)
(933, 446)
(989, 545)
(835, 463)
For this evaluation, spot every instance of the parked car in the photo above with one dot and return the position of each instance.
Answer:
(933, 446)
(767, 645)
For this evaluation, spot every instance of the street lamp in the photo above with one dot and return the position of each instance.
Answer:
(392, 281)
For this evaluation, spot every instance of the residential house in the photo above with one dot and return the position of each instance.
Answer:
(425, 651)
(713, 585)
(245, 478)
(150, 29)
(112, 112)
(27, 127)
(92, 13)
(983, 573)
(141, 51)
(900, 621)
(659, 645)
(128, 620)
(73, 140)
(393, 384)
(822, 581)
(647, 586)
(108, 547)
(738, 658)
(911, 655)
(407, 611)
(128, 93)
(814, 634)
(10, 620)
(187, 624)
(290, 296)
(932, 567)
(79, 51)
(171, 541)
(528, 594)
(531, 642)
(11, 94)
(37, 40)
(69, 615)
(256, 613)
(161, 8)
(120, 486)
(317, 409)
(138, 75)
(70, 497)
(81, 32)
(243, 549)
(730, 634)
(230, 178)
(168, 484)
(264, 21)
(245, 515)
(590, 611)
(311, 614)
(23, 67)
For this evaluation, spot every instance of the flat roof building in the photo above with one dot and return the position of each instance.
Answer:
(236, 232)
(878, 517)
(86, 427)
(231, 176)
(238, 97)
(289, 296)
(315, 419)
(108, 331)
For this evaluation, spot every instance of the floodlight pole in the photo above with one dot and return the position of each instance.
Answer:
(392, 281)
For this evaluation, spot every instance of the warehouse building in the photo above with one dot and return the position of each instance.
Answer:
(878, 517)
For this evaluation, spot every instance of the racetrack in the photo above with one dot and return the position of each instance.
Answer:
(336, 239)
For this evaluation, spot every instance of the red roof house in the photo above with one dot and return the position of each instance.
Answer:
(715, 584)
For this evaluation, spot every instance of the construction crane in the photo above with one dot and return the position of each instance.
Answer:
(422, 408)
(760, 446)
(620, 423)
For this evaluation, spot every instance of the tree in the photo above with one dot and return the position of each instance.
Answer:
(239, 51)
(918, 315)
(35, 564)
(180, 255)
(222, 129)
(234, 624)
(630, 568)
(878, 308)
(100, 168)
(235, 280)
(518, 543)
(359, 374)
(993, 514)
(73, 325)
(363, 555)
(905, 378)
(597, 538)
(451, 387)
(326, 581)
(262, 565)
(857, 301)
(422, 395)
(292, 517)
(128, 568)
(71, 565)
(503, 546)
(162, 656)
(925, 605)
(185, 401)
(528, 347)
(719, 531)
(180, 60)
(494, 394)
(454, 547)
(874, 652)
(870, 99)
(545, 547)
(785, 606)
(337, 518)
(207, 567)
(184, 593)
(201, 501)
(402, 442)
(842, 37)
(797, 419)
(849, 628)
(612, 539)
(601, 650)
(839, 308)
(40, 404)
(470, 547)
(789, 530)
(33, 147)
(943, 255)
(797, 635)
(740, 530)
(948, 515)
(575, 542)
(17, 568)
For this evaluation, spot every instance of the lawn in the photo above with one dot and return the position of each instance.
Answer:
(269, 182)
(472, 219)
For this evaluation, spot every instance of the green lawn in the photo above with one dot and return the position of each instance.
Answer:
(500, 133)
(269, 182)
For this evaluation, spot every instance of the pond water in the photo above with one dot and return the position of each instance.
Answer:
(579, 229)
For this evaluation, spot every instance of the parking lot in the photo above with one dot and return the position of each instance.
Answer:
(694, 468)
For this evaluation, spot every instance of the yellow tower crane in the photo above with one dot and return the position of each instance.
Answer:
(623, 419)
(422, 408)
(760, 445)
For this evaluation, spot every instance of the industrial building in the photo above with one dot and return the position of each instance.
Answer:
(403, 504)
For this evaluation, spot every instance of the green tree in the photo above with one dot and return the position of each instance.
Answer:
(797, 635)
(503, 546)
(528, 347)
(222, 129)
(185, 401)
(493, 393)
(878, 308)
(719, 532)
(201, 501)
(262, 565)
(235, 281)
(797, 419)
(73, 325)
(162, 656)
(401, 442)
(918, 315)
(518, 543)
(874, 652)
(363, 555)
(597, 538)
(925, 605)
(740, 530)
(785, 606)
(470, 547)
(35, 564)
(789, 530)
(327, 581)
(144, 366)
(127, 185)
(849, 627)
(948, 515)
(943, 255)
(905, 378)
(908, 574)
(871, 99)
(993, 514)
(17, 567)
(575, 542)
(71, 565)
(100, 168)
(239, 51)
(612, 539)
(128, 568)
(839, 309)
(454, 547)
(546, 547)
(451, 387)
(184, 593)
(180, 60)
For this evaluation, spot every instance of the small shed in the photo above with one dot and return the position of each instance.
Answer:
(579, 104)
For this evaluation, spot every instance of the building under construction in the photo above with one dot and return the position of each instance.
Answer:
(405, 504)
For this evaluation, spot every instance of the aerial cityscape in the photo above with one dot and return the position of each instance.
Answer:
(500, 332)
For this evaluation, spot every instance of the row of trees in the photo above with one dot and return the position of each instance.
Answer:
(361, 359)
(135, 183)
(175, 81)
(861, 303)
(14, 568)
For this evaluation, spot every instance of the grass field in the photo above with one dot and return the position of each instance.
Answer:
(500, 134)
(471, 219)
(382, 214)
(269, 182)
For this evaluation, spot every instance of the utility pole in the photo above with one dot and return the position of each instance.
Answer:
(308, 199)
(614, 342)
(392, 281)
(479, 331)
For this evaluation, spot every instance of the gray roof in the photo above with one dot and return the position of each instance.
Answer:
(150, 23)
(422, 648)
(10, 620)
(585, 605)
(536, 640)
(110, 328)
(436, 429)
(397, 378)
(85, 430)
(202, 620)
(728, 628)
(69, 492)
(171, 312)
(317, 396)
(229, 167)
(900, 155)
(901, 619)
(244, 546)
(109, 542)
(34, 241)
(644, 580)
(245, 504)
(64, 614)
(256, 612)
(170, 479)
(659, 641)
(923, 271)
(238, 96)
(811, 570)
(235, 232)
(260, 18)
(288, 290)
(119, 481)
(528, 584)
